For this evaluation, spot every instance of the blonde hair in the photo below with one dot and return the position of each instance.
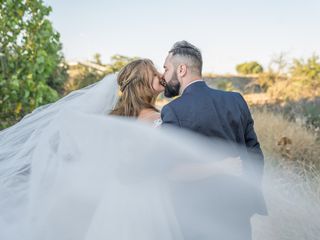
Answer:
(135, 81)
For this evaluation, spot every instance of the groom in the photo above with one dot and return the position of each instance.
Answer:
(215, 114)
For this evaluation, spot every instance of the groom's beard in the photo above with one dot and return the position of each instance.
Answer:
(173, 87)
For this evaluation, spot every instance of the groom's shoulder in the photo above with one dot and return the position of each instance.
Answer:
(226, 94)
(176, 102)
(228, 97)
(177, 105)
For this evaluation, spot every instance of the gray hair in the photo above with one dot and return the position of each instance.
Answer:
(187, 53)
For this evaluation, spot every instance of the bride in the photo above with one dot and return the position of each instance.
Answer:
(140, 85)
(89, 166)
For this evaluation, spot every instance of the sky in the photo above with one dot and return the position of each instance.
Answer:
(228, 32)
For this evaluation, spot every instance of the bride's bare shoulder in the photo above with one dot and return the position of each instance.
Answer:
(149, 115)
(155, 116)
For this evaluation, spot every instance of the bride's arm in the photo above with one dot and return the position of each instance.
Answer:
(198, 171)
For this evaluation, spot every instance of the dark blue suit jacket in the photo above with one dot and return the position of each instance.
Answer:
(218, 114)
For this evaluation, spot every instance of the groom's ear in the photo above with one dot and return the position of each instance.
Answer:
(182, 70)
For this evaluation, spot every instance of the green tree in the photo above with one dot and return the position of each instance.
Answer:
(307, 72)
(301, 82)
(58, 78)
(249, 68)
(30, 54)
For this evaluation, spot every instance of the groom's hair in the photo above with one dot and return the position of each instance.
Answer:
(185, 52)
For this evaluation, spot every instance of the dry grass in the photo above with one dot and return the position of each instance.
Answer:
(292, 155)
(287, 141)
(291, 181)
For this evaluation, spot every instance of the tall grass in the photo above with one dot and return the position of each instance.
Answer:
(285, 142)
(292, 179)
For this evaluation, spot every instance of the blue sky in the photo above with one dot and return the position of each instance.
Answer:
(228, 31)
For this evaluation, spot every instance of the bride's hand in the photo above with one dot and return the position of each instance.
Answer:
(230, 166)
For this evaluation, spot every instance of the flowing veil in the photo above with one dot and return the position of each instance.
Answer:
(17, 143)
(70, 171)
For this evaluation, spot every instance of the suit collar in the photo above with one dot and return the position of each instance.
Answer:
(194, 84)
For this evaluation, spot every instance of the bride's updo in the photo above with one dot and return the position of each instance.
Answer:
(135, 82)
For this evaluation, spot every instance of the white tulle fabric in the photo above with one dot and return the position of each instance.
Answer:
(69, 171)
(17, 145)
(18, 141)
(97, 182)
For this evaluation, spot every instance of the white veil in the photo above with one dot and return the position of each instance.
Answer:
(17, 143)
(67, 168)
(99, 177)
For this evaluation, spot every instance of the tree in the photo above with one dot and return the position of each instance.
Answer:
(30, 56)
(249, 68)
(307, 72)
(301, 82)
(58, 78)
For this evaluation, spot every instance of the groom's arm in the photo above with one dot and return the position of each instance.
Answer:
(251, 141)
(169, 117)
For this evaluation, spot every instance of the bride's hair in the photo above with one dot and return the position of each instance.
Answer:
(135, 81)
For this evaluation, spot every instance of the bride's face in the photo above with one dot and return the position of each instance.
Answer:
(156, 85)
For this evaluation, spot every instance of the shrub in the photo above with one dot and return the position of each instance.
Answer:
(249, 68)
